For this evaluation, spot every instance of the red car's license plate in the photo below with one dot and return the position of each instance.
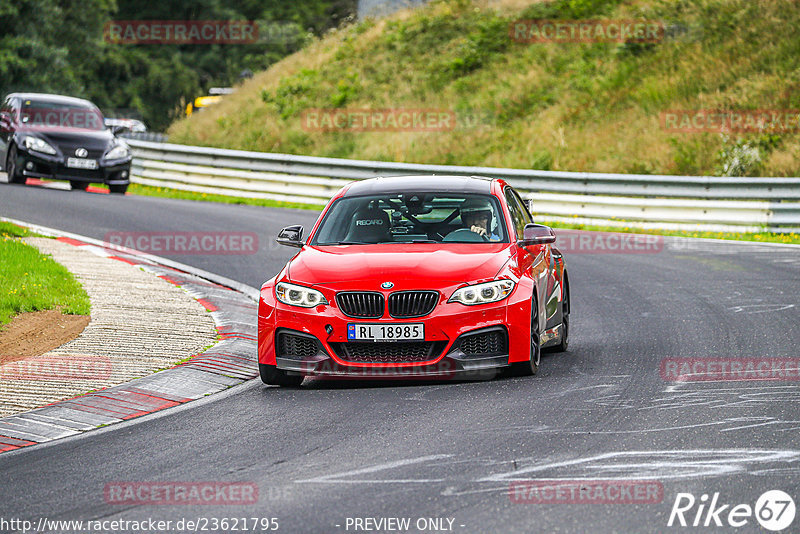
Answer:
(385, 332)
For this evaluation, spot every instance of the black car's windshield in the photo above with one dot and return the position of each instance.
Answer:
(413, 218)
(50, 114)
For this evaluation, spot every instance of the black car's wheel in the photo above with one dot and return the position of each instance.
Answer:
(530, 367)
(78, 185)
(14, 176)
(118, 189)
(563, 344)
(273, 376)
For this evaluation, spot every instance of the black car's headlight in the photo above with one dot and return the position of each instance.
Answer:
(295, 295)
(118, 152)
(484, 293)
(38, 145)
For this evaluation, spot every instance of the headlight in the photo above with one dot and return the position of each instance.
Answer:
(39, 145)
(483, 293)
(118, 152)
(294, 295)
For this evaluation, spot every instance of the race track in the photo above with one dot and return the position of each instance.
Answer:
(334, 450)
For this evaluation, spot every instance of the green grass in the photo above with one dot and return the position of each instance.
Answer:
(146, 190)
(32, 281)
(8, 229)
(561, 106)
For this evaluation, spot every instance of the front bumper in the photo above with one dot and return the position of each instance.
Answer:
(445, 327)
(450, 362)
(35, 165)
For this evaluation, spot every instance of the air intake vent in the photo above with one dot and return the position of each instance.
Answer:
(491, 342)
(294, 346)
(389, 352)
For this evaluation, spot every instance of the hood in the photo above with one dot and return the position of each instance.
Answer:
(67, 140)
(417, 266)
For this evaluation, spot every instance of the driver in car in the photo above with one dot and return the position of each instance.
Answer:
(477, 217)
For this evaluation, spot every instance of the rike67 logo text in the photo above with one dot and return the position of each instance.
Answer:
(774, 510)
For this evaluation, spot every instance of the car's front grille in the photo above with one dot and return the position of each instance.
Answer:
(361, 304)
(80, 173)
(491, 342)
(389, 352)
(295, 346)
(406, 304)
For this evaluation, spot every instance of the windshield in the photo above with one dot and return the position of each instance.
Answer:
(413, 218)
(48, 114)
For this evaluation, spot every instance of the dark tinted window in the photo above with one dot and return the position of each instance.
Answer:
(8, 107)
(519, 214)
(50, 114)
(413, 218)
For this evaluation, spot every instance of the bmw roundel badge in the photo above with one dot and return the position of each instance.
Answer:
(387, 285)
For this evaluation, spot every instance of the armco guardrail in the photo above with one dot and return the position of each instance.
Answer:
(686, 202)
(145, 136)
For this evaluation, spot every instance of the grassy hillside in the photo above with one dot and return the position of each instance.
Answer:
(561, 106)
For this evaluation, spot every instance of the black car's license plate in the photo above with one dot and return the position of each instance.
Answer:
(81, 163)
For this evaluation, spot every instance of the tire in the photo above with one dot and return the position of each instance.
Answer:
(118, 189)
(11, 167)
(530, 367)
(273, 376)
(565, 305)
(78, 186)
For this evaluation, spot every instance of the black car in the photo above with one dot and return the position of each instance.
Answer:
(61, 138)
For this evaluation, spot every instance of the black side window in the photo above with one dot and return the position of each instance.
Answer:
(519, 215)
(523, 206)
(10, 106)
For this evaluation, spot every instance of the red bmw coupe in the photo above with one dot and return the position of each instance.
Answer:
(417, 276)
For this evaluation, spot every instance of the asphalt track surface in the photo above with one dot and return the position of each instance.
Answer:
(334, 450)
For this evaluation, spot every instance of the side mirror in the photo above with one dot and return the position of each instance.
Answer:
(291, 236)
(536, 234)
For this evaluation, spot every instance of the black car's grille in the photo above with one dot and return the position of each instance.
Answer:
(405, 304)
(361, 304)
(491, 342)
(391, 352)
(294, 346)
(80, 173)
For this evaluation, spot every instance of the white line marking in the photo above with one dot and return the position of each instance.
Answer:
(665, 464)
(336, 477)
